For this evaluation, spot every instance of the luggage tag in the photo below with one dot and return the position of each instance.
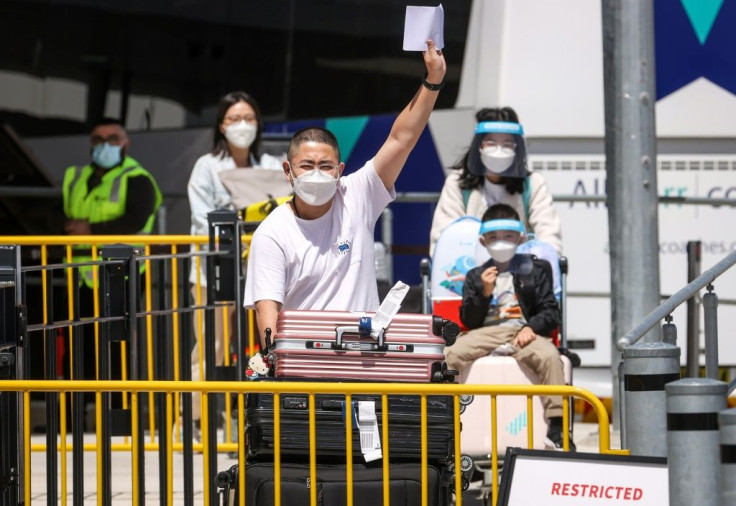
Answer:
(260, 364)
(367, 423)
(388, 308)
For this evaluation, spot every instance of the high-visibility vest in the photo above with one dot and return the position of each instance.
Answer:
(105, 202)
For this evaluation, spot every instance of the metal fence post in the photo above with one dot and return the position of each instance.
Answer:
(225, 280)
(727, 424)
(163, 353)
(647, 368)
(693, 441)
(12, 323)
(564, 268)
(629, 100)
(425, 269)
(693, 311)
(52, 398)
(185, 368)
(112, 283)
(221, 286)
(710, 329)
(122, 299)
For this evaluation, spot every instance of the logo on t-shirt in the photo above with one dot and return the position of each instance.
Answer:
(504, 304)
(343, 247)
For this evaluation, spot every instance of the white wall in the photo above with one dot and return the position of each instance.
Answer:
(545, 59)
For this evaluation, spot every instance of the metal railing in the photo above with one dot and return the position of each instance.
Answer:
(682, 295)
(162, 394)
(647, 368)
(429, 197)
(165, 295)
(170, 389)
(140, 316)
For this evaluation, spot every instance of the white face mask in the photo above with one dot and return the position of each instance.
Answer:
(314, 187)
(241, 134)
(496, 160)
(501, 251)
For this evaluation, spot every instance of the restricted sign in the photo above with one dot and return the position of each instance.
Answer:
(551, 478)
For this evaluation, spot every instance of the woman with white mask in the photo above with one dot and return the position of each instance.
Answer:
(236, 148)
(494, 170)
(235, 152)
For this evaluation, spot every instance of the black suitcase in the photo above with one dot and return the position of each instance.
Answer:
(404, 427)
(405, 485)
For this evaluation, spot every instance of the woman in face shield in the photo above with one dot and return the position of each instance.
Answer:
(494, 171)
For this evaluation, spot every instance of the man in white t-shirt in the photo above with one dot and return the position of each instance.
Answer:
(317, 251)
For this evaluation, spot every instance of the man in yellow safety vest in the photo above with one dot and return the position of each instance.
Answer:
(113, 195)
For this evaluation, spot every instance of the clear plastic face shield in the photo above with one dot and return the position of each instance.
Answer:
(501, 238)
(498, 148)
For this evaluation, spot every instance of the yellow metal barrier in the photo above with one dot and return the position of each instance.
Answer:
(174, 244)
(134, 388)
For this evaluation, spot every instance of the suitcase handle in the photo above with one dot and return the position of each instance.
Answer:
(448, 329)
(362, 345)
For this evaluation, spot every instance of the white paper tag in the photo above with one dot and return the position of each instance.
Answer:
(388, 308)
(370, 439)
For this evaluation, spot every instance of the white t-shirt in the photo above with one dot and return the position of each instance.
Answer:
(326, 263)
(494, 193)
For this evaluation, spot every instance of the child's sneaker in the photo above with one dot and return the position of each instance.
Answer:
(554, 440)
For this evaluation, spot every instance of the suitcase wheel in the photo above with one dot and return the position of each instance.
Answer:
(466, 399)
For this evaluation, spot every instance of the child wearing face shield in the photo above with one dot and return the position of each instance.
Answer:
(509, 306)
(494, 171)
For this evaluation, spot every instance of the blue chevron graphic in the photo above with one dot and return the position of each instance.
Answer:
(694, 39)
(702, 14)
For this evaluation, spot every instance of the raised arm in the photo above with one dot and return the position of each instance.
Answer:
(411, 121)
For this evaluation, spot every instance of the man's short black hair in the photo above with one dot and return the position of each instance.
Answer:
(500, 212)
(313, 134)
(107, 122)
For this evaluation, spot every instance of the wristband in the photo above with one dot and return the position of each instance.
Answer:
(430, 86)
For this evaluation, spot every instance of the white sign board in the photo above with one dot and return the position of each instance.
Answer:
(551, 478)
(585, 242)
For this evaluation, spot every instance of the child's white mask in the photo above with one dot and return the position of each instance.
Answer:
(501, 251)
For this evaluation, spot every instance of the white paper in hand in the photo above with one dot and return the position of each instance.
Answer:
(424, 23)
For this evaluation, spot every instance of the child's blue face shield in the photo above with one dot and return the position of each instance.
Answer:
(502, 244)
(505, 159)
(502, 225)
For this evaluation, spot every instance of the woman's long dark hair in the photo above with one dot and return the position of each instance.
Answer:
(219, 146)
(470, 181)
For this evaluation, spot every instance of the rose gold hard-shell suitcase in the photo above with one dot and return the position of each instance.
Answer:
(329, 344)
